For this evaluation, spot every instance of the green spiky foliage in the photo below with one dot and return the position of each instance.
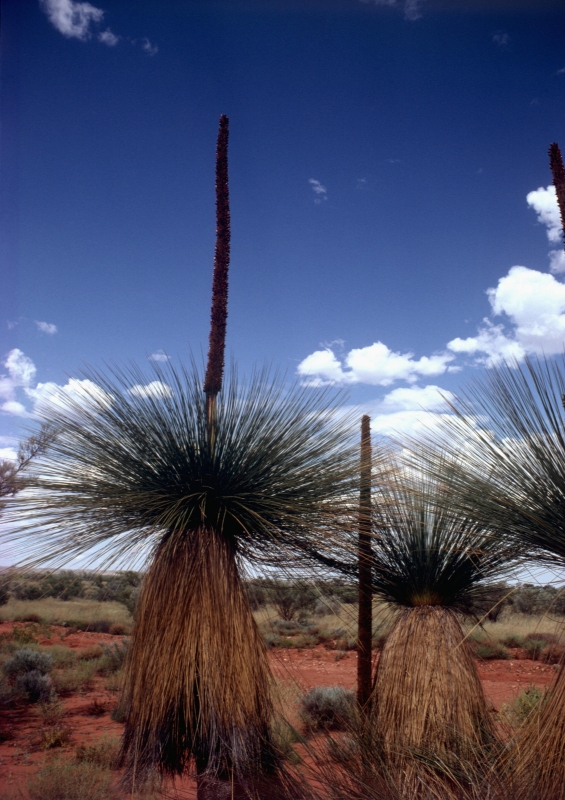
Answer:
(509, 434)
(429, 563)
(132, 474)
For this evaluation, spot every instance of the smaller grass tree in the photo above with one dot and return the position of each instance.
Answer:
(430, 564)
(510, 430)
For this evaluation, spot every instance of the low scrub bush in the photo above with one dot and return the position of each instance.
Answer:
(533, 648)
(117, 629)
(327, 708)
(513, 641)
(75, 679)
(96, 708)
(29, 616)
(553, 654)
(490, 650)
(91, 653)
(52, 712)
(113, 657)
(63, 781)
(62, 656)
(25, 634)
(34, 686)
(526, 702)
(327, 605)
(27, 660)
(55, 736)
(102, 754)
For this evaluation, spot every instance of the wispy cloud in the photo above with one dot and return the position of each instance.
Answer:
(502, 39)
(82, 20)
(46, 327)
(147, 47)
(160, 355)
(320, 192)
(411, 8)
(109, 38)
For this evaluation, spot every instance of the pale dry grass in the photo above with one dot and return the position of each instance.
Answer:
(54, 611)
(522, 625)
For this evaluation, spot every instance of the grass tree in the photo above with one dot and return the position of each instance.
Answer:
(201, 477)
(510, 427)
(430, 565)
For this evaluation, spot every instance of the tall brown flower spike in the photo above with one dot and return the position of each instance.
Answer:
(365, 572)
(219, 313)
(558, 172)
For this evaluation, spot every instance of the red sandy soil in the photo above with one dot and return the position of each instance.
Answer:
(21, 756)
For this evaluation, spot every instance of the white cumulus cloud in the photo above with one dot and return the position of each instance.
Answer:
(156, 389)
(534, 303)
(46, 327)
(21, 369)
(376, 365)
(544, 203)
(411, 410)
(75, 392)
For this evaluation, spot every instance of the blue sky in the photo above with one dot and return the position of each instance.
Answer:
(392, 226)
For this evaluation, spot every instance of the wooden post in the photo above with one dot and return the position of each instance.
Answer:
(365, 622)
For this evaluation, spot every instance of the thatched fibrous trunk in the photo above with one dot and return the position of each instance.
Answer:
(537, 757)
(427, 696)
(197, 681)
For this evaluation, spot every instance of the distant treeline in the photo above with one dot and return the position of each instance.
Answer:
(291, 598)
(121, 587)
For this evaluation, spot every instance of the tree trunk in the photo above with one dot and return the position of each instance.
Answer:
(365, 622)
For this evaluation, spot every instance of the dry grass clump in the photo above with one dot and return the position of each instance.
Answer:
(326, 708)
(67, 781)
(52, 611)
(104, 753)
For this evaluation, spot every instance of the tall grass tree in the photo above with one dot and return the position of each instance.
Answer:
(201, 480)
(132, 475)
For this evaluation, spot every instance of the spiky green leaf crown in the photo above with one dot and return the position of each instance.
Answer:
(507, 466)
(132, 465)
(429, 553)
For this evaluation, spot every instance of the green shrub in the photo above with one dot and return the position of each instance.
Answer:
(27, 634)
(490, 650)
(62, 656)
(513, 641)
(290, 598)
(327, 708)
(113, 658)
(534, 648)
(526, 702)
(28, 660)
(62, 781)
(327, 605)
(35, 686)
